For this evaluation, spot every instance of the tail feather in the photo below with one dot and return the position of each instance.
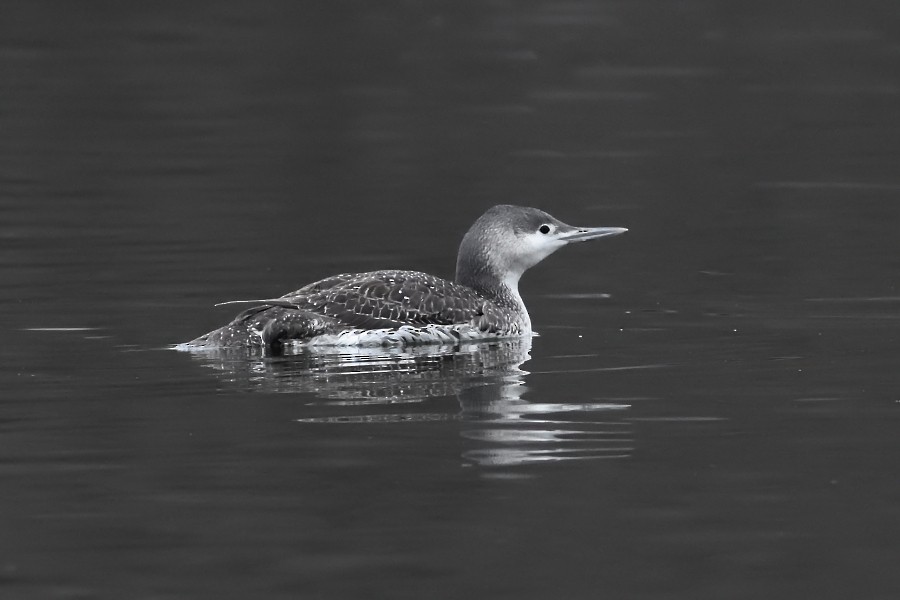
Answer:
(265, 327)
(270, 301)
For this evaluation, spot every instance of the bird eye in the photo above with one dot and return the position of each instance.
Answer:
(544, 229)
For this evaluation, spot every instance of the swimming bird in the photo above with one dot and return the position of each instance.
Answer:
(391, 308)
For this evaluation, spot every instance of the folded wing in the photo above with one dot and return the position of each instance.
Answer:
(387, 299)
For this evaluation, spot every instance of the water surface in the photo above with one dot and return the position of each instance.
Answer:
(711, 408)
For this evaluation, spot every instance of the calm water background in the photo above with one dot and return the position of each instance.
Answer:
(711, 410)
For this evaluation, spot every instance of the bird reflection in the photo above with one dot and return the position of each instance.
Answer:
(509, 430)
(377, 385)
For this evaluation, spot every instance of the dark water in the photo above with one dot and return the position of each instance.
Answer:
(711, 410)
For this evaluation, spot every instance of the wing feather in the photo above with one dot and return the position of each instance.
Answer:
(381, 299)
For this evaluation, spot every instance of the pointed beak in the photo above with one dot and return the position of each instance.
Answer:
(583, 234)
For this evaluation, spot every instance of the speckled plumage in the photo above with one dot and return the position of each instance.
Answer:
(408, 307)
(377, 300)
(384, 299)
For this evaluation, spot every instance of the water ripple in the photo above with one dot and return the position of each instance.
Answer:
(829, 185)
(389, 386)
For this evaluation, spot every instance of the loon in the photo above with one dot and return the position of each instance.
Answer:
(397, 308)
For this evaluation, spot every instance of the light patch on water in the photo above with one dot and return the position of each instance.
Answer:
(860, 299)
(505, 475)
(541, 408)
(602, 369)
(61, 329)
(520, 436)
(679, 419)
(369, 401)
(391, 418)
(506, 457)
(590, 296)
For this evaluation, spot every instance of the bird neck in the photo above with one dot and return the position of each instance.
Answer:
(477, 271)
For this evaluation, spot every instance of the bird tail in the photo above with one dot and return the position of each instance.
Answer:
(266, 327)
